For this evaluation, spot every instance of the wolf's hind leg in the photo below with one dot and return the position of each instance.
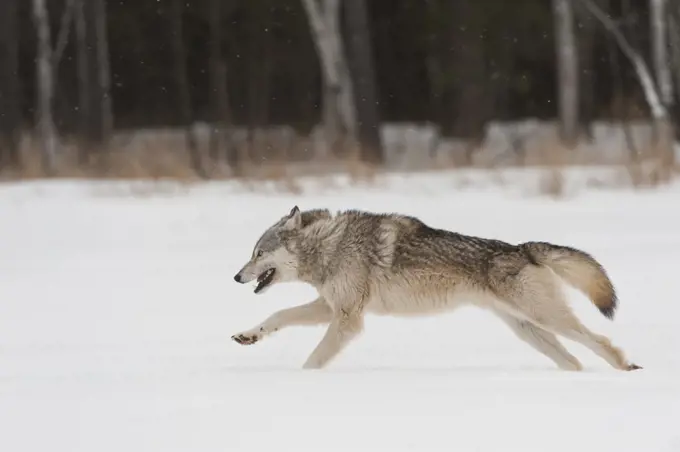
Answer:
(542, 341)
(602, 346)
(599, 344)
(314, 313)
(535, 294)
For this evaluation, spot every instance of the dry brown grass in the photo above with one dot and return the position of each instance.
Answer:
(171, 162)
(146, 164)
(649, 168)
(554, 159)
(150, 164)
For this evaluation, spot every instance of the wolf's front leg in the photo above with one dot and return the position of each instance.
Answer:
(314, 313)
(343, 328)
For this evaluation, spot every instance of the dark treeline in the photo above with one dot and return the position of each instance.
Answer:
(457, 63)
(452, 62)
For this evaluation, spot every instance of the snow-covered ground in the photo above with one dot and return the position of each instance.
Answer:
(116, 314)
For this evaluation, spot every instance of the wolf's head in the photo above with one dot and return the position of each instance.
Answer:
(275, 256)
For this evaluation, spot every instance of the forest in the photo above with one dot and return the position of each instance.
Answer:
(77, 75)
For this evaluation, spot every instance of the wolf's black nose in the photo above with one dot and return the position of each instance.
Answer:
(237, 278)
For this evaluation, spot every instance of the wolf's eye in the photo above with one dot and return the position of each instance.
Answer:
(259, 253)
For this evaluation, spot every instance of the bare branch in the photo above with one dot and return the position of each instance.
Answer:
(645, 77)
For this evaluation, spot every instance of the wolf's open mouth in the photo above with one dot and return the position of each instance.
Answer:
(265, 279)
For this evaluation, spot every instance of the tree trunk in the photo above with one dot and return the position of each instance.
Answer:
(344, 92)
(658, 12)
(641, 70)
(84, 84)
(567, 71)
(96, 119)
(259, 84)
(221, 112)
(104, 70)
(45, 89)
(365, 92)
(659, 111)
(664, 80)
(10, 114)
(65, 114)
(182, 84)
(586, 58)
(674, 32)
(63, 32)
(618, 110)
(468, 64)
(338, 100)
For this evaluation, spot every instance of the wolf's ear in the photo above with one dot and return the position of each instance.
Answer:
(294, 220)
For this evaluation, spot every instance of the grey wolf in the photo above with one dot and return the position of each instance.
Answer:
(392, 264)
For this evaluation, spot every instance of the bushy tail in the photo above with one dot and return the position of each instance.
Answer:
(580, 270)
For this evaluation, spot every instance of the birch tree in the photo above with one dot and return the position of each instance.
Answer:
(662, 67)
(658, 12)
(567, 71)
(654, 100)
(45, 87)
(642, 71)
(338, 102)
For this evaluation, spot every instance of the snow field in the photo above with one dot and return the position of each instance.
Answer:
(116, 314)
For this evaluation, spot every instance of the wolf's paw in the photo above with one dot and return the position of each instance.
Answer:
(247, 338)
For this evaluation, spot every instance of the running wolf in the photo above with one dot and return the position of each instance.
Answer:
(391, 264)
